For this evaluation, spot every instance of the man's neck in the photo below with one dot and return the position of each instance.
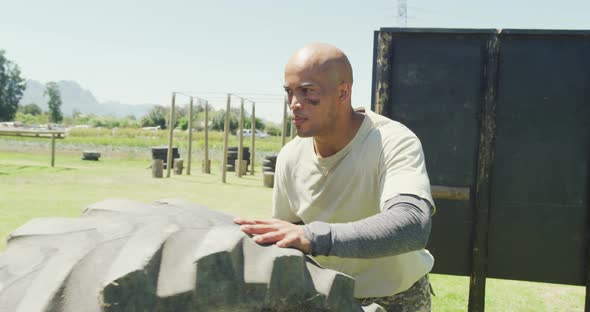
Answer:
(328, 145)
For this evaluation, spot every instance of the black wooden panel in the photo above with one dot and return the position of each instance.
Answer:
(436, 90)
(450, 238)
(540, 175)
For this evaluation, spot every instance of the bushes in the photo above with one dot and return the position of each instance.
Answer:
(259, 124)
(31, 108)
(272, 129)
(218, 121)
(29, 119)
(156, 117)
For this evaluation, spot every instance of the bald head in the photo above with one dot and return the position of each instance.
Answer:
(322, 58)
(318, 82)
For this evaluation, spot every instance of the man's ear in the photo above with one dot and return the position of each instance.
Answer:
(344, 92)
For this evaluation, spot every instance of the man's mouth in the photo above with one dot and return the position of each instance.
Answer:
(297, 120)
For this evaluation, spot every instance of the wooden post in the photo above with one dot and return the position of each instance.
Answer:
(283, 133)
(485, 163)
(253, 140)
(207, 167)
(243, 167)
(178, 166)
(157, 168)
(241, 142)
(293, 132)
(268, 179)
(170, 136)
(52, 150)
(225, 139)
(383, 67)
(190, 137)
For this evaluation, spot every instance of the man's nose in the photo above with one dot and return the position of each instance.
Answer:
(294, 103)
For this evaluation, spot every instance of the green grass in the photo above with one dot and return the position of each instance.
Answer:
(29, 188)
(146, 138)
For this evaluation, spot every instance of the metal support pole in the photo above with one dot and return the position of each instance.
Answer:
(190, 137)
(225, 139)
(241, 142)
(170, 136)
(206, 165)
(52, 150)
(284, 132)
(253, 138)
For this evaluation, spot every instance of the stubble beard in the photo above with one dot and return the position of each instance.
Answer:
(304, 134)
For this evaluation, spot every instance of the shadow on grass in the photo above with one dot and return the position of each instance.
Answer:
(8, 170)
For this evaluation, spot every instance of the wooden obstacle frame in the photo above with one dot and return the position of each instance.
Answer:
(41, 134)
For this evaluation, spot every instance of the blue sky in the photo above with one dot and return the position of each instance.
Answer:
(140, 51)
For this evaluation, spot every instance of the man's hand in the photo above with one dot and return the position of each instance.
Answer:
(282, 233)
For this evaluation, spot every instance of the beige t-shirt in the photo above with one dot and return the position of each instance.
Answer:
(383, 160)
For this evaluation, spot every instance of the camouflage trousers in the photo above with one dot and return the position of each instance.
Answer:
(415, 299)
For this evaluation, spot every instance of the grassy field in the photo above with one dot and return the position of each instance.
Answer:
(29, 188)
(115, 138)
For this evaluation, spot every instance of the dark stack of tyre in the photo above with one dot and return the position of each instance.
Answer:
(232, 157)
(161, 152)
(90, 155)
(171, 255)
(268, 170)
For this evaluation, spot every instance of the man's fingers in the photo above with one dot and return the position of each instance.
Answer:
(270, 237)
(243, 221)
(287, 241)
(258, 228)
(293, 240)
(255, 221)
(282, 233)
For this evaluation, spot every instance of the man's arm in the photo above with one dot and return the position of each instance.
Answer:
(403, 226)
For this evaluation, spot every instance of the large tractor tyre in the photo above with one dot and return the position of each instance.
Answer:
(171, 255)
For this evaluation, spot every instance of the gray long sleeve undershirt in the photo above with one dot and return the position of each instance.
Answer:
(402, 227)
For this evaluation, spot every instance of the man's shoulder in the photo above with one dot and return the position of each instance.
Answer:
(387, 129)
(292, 150)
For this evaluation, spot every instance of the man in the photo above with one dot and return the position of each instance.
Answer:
(352, 188)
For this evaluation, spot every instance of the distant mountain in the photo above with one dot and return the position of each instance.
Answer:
(75, 97)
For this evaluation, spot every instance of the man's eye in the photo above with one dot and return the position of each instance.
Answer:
(306, 90)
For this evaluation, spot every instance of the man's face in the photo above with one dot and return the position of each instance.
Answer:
(312, 100)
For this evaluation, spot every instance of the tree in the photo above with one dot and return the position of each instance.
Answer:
(156, 117)
(31, 108)
(259, 123)
(76, 114)
(52, 90)
(218, 121)
(183, 123)
(12, 87)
